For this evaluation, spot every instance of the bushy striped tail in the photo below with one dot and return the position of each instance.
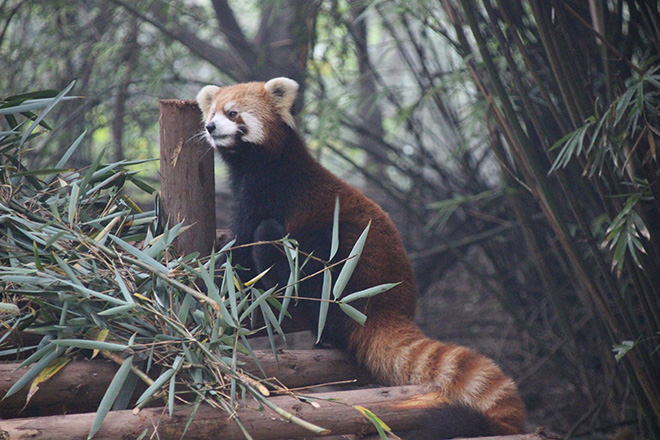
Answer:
(398, 353)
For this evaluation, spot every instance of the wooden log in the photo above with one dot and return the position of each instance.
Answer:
(187, 175)
(301, 368)
(80, 385)
(401, 408)
(534, 436)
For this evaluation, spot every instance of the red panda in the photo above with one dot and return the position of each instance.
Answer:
(279, 188)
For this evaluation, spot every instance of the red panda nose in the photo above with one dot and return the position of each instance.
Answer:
(210, 127)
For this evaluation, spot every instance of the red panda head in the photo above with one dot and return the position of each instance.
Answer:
(255, 113)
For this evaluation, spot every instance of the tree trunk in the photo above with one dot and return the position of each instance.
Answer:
(131, 49)
(187, 176)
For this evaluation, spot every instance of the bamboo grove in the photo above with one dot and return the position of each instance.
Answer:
(573, 93)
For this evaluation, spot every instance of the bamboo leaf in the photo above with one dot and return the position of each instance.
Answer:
(354, 313)
(207, 275)
(226, 316)
(334, 245)
(227, 246)
(292, 256)
(46, 110)
(16, 351)
(229, 280)
(33, 372)
(349, 266)
(622, 349)
(86, 292)
(257, 278)
(176, 365)
(254, 357)
(39, 172)
(184, 309)
(73, 202)
(141, 256)
(271, 319)
(29, 105)
(366, 293)
(48, 372)
(256, 303)
(44, 348)
(170, 394)
(90, 345)
(288, 292)
(69, 152)
(158, 383)
(122, 286)
(324, 304)
(101, 336)
(573, 145)
(381, 427)
(116, 385)
(90, 172)
(37, 260)
(68, 272)
(8, 308)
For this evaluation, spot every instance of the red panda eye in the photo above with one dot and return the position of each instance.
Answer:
(232, 114)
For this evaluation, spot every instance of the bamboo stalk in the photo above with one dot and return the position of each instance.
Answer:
(549, 287)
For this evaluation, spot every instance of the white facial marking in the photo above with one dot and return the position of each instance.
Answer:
(255, 129)
(224, 132)
(229, 105)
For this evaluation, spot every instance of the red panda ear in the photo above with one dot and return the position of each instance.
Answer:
(283, 92)
(205, 99)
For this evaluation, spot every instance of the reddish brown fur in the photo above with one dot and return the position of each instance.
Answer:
(390, 345)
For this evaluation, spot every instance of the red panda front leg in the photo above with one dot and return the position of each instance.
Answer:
(270, 256)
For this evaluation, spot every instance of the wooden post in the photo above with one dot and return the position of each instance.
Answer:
(187, 175)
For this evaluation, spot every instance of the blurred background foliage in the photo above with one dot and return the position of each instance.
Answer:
(514, 144)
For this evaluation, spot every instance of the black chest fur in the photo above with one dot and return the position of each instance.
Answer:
(261, 190)
(267, 188)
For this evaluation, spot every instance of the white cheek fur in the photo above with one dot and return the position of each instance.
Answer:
(255, 129)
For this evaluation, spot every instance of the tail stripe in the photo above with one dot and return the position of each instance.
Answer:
(501, 390)
(405, 360)
(421, 362)
(386, 346)
(427, 372)
(447, 369)
(474, 378)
